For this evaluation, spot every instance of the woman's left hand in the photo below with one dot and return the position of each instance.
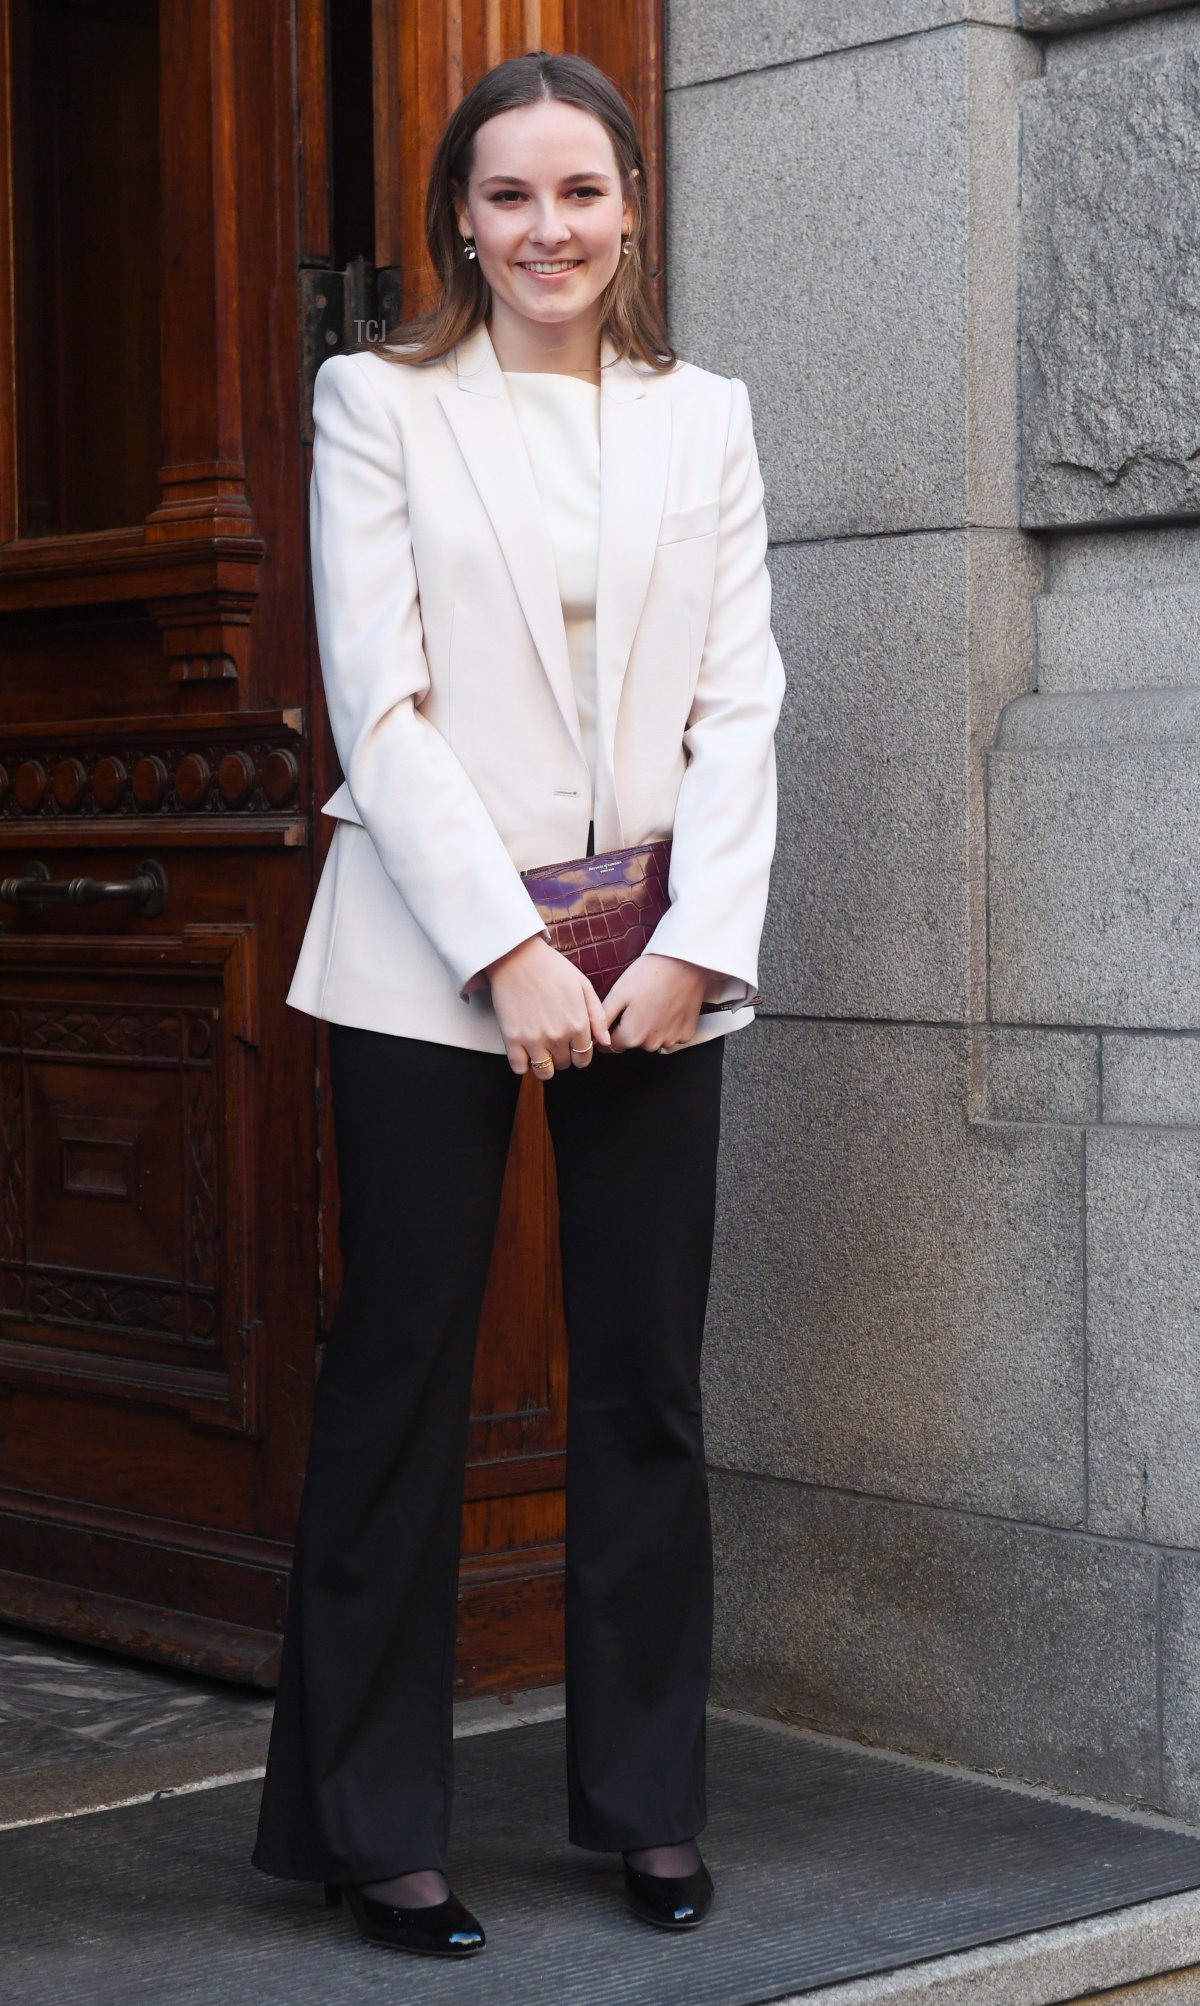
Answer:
(658, 1000)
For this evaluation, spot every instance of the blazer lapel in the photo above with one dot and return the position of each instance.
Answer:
(635, 446)
(485, 424)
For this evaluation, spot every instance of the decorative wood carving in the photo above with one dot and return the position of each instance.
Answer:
(243, 763)
(124, 1159)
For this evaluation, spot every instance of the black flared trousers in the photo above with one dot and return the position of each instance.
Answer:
(359, 1782)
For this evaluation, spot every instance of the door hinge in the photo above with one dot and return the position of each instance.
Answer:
(342, 310)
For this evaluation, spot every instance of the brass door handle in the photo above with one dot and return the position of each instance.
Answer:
(148, 890)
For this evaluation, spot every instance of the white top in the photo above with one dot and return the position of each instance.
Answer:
(559, 418)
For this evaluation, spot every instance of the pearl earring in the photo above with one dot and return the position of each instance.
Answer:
(469, 247)
(626, 247)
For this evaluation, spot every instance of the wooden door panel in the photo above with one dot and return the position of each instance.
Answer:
(519, 1388)
(210, 1604)
(125, 1132)
(110, 1455)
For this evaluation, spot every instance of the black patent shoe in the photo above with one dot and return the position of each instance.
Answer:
(443, 1929)
(671, 1901)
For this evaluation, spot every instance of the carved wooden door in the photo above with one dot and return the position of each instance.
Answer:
(200, 198)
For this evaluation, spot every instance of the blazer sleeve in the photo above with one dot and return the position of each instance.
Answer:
(418, 804)
(723, 837)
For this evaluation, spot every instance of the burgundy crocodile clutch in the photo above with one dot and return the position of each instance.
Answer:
(602, 910)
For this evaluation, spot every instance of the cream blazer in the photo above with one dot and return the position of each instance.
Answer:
(449, 690)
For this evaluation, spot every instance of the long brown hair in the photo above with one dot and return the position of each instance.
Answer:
(629, 311)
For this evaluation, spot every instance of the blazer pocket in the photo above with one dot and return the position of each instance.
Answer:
(679, 524)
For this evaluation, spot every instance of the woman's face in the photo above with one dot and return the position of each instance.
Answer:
(545, 207)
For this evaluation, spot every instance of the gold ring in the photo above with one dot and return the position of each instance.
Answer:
(547, 1061)
(584, 1048)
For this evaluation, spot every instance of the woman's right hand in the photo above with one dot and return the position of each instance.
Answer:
(543, 1003)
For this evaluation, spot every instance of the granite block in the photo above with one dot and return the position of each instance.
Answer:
(1110, 292)
(1122, 718)
(867, 276)
(1162, 559)
(1042, 1075)
(1022, 1651)
(1151, 1077)
(1120, 609)
(1119, 640)
(1094, 859)
(1115, 41)
(1181, 1683)
(901, 654)
(897, 1296)
(709, 38)
(1143, 1334)
(1055, 17)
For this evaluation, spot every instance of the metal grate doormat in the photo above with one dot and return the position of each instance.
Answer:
(829, 1864)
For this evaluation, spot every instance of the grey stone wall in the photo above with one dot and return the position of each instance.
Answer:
(1111, 290)
(707, 38)
(1148, 34)
(1058, 16)
(952, 1364)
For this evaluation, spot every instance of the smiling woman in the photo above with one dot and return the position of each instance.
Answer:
(526, 510)
(537, 220)
(540, 175)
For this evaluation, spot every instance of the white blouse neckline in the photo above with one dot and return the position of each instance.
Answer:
(555, 375)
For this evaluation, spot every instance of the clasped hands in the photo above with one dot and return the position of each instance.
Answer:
(544, 1004)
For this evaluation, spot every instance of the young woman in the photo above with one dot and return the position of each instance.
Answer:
(543, 612)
